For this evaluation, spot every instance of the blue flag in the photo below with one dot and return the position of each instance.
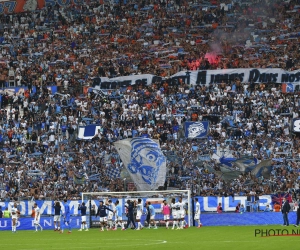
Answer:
(113, 172)
(88, 132)
(195, 130)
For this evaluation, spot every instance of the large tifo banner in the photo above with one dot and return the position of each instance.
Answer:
(144, 161)
(196, 130)
(17, 6)
(247, 75)
(207, 204)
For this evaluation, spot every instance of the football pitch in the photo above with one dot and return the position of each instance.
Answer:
(192, 238)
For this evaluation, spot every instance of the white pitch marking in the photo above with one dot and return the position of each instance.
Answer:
(107, 245)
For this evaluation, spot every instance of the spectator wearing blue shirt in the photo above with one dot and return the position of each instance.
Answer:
(145, 135)
(64, 129)
(242, 209)
(233, 87)
(134, 133)
(267, 209)
(255, 207)
(57, 109)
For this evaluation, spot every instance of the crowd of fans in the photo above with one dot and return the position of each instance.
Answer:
(68, 47)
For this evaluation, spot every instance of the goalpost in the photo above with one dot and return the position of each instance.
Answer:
(156, 198)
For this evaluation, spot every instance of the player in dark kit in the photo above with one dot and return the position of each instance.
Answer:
(82, 208)
(130, 211)
(103, 215)
(57, 213)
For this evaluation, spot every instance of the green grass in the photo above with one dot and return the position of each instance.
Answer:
(204, 238)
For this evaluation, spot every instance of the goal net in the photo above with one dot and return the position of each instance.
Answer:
(156, 198)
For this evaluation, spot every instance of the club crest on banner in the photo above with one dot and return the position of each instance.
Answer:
(196, 129)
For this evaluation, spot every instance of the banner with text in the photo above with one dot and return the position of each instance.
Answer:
(125, 81)
(46, 223)
(17, 6)
(247, 75)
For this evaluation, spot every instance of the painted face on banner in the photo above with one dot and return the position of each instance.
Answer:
(196, 129)
(146, 159)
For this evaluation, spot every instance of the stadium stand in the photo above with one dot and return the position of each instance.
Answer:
(80, 46)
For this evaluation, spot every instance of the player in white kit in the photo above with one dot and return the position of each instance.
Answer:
(15, 214)
(180, 212)
(185, 209)
(37, 217)
(112, 206)
(139, 212)
(197, 213)
(174, 213)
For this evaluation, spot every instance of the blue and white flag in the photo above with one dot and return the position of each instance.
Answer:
(194, 130)
(88, 132)
(113, 173)
(144, 161)
(264, 169)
